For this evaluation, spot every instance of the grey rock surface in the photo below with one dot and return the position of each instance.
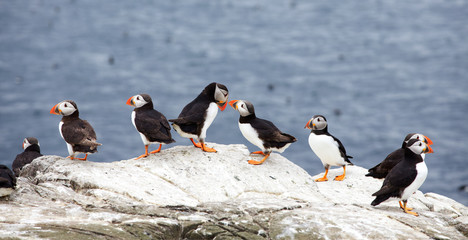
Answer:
(184, 193)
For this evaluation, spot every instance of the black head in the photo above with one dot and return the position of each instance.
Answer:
(217, 93)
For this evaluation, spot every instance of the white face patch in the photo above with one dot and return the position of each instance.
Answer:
(139, 101)
(319, 123)
(242, 108)
(26, 143)
(220, 95)
(418, 147)
(66, 108)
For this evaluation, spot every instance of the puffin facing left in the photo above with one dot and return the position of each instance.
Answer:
(77, 133)
(260, 132)
(7, 181)
(328, 148)
(32, 151)
(151, 124)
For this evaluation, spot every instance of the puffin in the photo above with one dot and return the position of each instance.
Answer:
(406, 177)
(197, 116)
(78, 134)
(7, 181)
(260, 132)
(328, 148)
(382, 169)
(151, 124)
(32, 151)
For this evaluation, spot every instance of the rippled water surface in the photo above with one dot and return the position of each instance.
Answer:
(376, 69)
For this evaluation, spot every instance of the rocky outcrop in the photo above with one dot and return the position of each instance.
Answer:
(184, 193)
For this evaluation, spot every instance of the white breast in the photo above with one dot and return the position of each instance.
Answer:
(211, 113)
(5, 191)
(421, 168)
(69, 146)
(326, 148)
(133, 118)
(251, 135)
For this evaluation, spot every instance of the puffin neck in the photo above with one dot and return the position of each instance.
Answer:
(248, 118)
(33, 148)
(320, 132)
(411, 156)
(145, 107)
(72, 116)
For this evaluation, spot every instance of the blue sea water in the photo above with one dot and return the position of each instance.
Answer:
(376, 69)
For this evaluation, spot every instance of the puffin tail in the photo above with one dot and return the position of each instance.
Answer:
(379, 199)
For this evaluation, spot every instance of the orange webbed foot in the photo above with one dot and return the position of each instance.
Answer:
(412, 213)
(198, 145)
(157, 150)
(253, 162)
(142, 156)
(258, 152)
(207, 149)
(339, 178)
(402, 207)
(322, 179)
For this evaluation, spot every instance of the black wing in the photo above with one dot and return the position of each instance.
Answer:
(154, 126)
(400, 177)
(79, 132)
(270, 134)
(342, 150)
(382, 169)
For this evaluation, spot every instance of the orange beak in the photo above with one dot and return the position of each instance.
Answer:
(428, 140)
(55, 110)
(233, 104)
(307, 125)
(130, 101)
(222, 105)
(428, 150)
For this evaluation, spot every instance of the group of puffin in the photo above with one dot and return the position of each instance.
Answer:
(404, 169)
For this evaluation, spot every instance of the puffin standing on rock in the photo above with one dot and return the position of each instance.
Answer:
(197, 116)
(328, 148)
(7, 181)
(77, 133)
(260, 132)
(151, 124)
(406, 177)
(382, 169)
(32, 151)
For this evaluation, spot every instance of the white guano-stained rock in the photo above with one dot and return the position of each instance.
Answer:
(183, 192)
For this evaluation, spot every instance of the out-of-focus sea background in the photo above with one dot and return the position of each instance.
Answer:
(376, 69)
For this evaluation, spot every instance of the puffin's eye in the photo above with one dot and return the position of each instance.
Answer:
(65, 105)
(318, 119)
(138, 98)
(417, 137)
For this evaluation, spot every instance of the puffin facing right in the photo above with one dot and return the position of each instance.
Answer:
(197, 116)
(260, 132)
(32, 151)
(406, 177)
(382, 169)
(328, 148)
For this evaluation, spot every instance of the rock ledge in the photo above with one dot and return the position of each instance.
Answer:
(184, 193)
